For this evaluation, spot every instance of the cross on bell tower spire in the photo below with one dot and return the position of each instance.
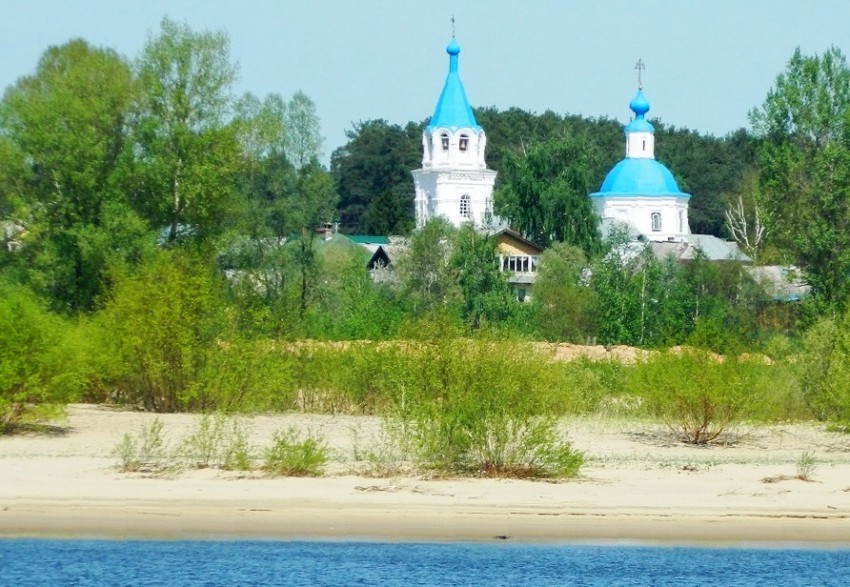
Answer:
(453, 26)
(639, 66)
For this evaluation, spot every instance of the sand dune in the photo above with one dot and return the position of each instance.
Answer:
(639, 483)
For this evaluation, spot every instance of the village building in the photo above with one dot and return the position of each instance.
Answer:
(520, 258)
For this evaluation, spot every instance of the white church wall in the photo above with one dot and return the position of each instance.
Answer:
(640, 145)
(439, 193)
(638, 211)
(462, 148)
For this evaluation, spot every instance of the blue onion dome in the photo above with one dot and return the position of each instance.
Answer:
(639, 177)
(453, 48)
(639, 104)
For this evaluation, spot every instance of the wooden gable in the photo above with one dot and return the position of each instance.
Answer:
(513, 243)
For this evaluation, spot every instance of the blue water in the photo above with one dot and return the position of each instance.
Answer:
(188, 563)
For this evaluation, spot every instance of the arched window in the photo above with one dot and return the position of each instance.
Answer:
(465, 211)
(656, 221)
(681, 221)
(444, 138)
(464, 142)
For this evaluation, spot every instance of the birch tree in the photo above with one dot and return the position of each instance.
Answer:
(744, 219)
(304, 135)
(187, 153)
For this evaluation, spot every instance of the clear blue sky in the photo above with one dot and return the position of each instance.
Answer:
(707, 61)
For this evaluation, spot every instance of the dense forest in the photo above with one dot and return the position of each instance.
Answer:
(158, 229)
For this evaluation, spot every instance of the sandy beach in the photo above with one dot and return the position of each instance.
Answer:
(638, 484)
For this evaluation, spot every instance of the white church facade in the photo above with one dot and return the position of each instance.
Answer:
(453, 182)
(641, 195)
(639, 191)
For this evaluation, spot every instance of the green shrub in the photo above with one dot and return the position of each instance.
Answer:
(40, 370)
(563, 308)
(585, 386)
(146, 451)
(699, 395)
(480, 407)
(386, 454)
(344, 377)
(824, 369)
(241, 375)
(179, 349)
(807, 465)
(218, 441)
(452, 440)
(293, 456)
(160, 325)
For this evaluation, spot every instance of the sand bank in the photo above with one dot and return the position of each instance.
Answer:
(638, 484)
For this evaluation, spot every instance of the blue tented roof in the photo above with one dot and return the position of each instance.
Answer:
(453, 110)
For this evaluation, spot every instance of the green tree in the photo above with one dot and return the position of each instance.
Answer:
(426, 276)
(14, 177)
(544, 193)
(486, 295)
(824, 369)
(282, 205)
(515, 131)
(651, 302)
(743, 217)
(805, 178)
(261, 132)
(619, 282)
(314, 206)
(269, 184)
(564, 307)
(160, 327)
(304, 139)
(350, 305)
(707, 167)
(187, 154)
(64, 164)
(372, 173)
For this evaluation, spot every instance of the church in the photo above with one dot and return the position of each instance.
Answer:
(454, 181)
(639, 194)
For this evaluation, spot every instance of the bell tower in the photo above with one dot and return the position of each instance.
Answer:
(453, 182)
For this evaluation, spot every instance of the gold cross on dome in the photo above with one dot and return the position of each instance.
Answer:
(639, 66)
(453, 26)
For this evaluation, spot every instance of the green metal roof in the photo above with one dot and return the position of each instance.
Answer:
(366, 239)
